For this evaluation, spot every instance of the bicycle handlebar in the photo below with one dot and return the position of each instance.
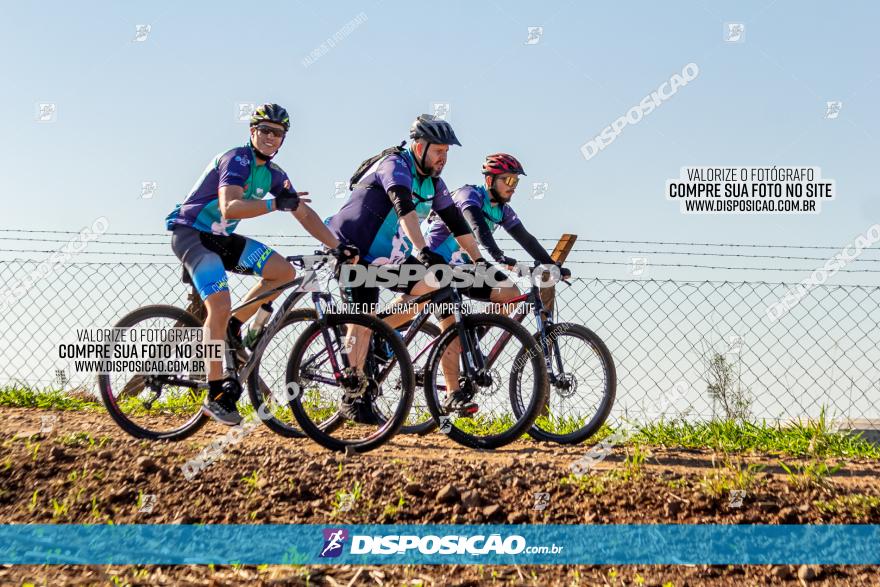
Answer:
(535, 265)
(321, 258)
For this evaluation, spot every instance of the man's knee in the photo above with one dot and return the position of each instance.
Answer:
(504, 293)
(276, 272)
(218, 304)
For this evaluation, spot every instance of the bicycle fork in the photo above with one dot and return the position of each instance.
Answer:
(549, 346)
(338, 373)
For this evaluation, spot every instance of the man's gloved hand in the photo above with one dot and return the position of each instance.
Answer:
(563, 272)
(427, 257)
(287, 201)
(345, 253)
(505, 260)
(489, 270)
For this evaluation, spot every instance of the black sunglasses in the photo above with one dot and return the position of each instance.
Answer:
(268, 130)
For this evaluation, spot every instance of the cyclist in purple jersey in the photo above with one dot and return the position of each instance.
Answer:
(234, 187)
(485, 208)
(381, 218)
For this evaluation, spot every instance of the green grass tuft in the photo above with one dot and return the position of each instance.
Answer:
(811, 439)
(50, 399)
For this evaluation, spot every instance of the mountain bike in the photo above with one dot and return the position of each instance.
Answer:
(580, 369)
(168, 406)
(489, 345)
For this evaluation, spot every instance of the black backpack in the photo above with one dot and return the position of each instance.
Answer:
(363, 167)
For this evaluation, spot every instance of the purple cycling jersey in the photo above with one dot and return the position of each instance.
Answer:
(368, 219)
(440, 239)
(201, 209)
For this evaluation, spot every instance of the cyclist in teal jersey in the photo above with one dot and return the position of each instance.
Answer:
(486, 207)
(234, 186)
(381, 218)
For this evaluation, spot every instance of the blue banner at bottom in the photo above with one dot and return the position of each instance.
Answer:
(439, 544)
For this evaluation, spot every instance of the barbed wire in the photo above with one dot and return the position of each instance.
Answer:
(572, 279)
(567, 263)
(502, 238)
(574, 250)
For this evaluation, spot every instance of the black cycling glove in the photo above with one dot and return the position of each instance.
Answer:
(346, 253)
(287, 201)
(427, 257)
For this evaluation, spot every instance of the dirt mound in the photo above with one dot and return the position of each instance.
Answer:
(85, 470)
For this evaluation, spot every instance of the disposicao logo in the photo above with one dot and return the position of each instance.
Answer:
(333, 541)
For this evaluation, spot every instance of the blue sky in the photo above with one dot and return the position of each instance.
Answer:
(160, 109)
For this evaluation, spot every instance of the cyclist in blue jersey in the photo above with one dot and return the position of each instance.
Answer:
(381, 219)
(486, 207)
(234, 186)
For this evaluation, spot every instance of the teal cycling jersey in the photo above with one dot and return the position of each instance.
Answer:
(238, 166)
(368, 219)
(441, 240)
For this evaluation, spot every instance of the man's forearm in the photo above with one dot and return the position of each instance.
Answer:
(410, 224)
(530, 244)
(313, 225)
(469, 244)
(481, 231)
(238, 209)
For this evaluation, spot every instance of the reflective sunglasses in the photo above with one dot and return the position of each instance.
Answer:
(511, 181)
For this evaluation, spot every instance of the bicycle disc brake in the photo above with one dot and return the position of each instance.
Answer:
(566, 385)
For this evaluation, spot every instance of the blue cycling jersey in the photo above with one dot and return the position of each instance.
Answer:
(238, 166)
(368, 219)
(441, 240)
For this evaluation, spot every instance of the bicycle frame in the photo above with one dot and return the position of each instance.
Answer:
(277, 320)
(270, 329)
(474, 362)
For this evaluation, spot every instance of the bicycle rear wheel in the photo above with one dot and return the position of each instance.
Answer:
(498, 340)
(148, 406)
(419, 421)
(583, 385)
(320, 384)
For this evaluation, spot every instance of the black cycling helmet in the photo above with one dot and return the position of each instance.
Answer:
(434, 130)
(271, 113)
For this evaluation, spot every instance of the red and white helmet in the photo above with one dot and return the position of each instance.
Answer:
(499, 163)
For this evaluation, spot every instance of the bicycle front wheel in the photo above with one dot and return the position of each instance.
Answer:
(321, 373)
(583, 384)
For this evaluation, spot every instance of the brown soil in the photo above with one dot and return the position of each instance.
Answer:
(297, 482)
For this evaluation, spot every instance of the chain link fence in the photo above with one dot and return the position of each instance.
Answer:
(711, 341)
